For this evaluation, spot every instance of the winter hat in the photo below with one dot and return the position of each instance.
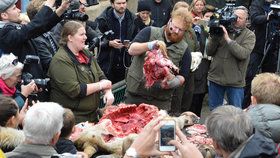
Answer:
(5, 4)
(142, 6)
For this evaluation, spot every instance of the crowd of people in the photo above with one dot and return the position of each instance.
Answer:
(51, 78)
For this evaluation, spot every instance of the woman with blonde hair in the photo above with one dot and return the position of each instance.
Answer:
(197, 7)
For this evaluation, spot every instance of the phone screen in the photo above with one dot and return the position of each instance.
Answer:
(167, 133)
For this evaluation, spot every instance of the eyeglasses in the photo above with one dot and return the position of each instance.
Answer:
(174, 28)
(84, 4)
(15, 62)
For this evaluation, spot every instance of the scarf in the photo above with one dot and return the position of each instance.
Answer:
(6, 91)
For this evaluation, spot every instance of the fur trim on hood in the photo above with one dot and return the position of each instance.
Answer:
(10, 137)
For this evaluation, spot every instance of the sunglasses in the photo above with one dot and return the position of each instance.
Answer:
(15, 62)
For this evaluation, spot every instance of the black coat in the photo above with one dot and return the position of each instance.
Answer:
(259, 24)
(17, 39)
(107, 21)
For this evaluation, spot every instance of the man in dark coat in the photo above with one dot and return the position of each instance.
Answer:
(113, 58)
(161, 10)
(16, 38)
(260, 12)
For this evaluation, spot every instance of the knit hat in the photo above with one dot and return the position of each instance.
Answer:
(5, 4)
(142, 6)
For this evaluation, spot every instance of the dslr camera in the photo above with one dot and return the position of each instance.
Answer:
(225, 17)
(27, 76)
(73, 13)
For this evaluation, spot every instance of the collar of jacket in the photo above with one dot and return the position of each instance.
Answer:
(74, 59)
(3, 24)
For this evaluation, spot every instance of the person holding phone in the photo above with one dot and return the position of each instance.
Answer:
(145, 144)
(114, 59)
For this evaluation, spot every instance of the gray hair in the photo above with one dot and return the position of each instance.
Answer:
(8, 66)
(42, 121)
(229, 127)
(242, 8)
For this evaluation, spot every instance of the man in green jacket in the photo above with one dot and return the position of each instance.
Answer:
(231, 55)
(177, 50)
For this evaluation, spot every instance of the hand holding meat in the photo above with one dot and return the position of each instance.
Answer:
(108, 98)
(158, 67)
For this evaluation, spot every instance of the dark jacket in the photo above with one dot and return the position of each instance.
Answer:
(160, 12)
(259, 23)
(68, 80)
(139, 24)
(45, 50)
(107, 21)
(65, 146)
(257, 146)
(17, 39)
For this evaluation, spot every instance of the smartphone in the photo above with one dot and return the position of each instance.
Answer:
(167, 133)
(126, 42)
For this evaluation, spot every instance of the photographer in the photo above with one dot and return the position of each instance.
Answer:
(230, 54)
(10, 76)
(17, 38)
(261, 14)
(76, 11)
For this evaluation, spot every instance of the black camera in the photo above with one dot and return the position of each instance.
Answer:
(40, 83)
(225, 17)
(95, 42)
(73, 12)
(29, 62)
(275, 7)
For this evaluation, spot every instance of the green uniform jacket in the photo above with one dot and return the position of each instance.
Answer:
(68, 80)
(230, 60)
(135, 78)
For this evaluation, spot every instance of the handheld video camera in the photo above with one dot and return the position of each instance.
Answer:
(225, 17)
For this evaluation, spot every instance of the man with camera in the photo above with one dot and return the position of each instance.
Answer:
(262, 18)
(231, 53)
(16, 38)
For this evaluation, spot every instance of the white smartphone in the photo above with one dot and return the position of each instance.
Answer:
(167, 133)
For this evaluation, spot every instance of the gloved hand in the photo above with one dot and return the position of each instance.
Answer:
(175, 82)
(153, 45)
(196, 60)
(105, 84)
(108, 98)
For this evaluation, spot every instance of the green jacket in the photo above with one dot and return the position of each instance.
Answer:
(135, 78)
(68, 80)
(230, 60)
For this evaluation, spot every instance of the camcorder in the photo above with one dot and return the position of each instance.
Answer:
(95, 42)
(27, 77)
(225, 17)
